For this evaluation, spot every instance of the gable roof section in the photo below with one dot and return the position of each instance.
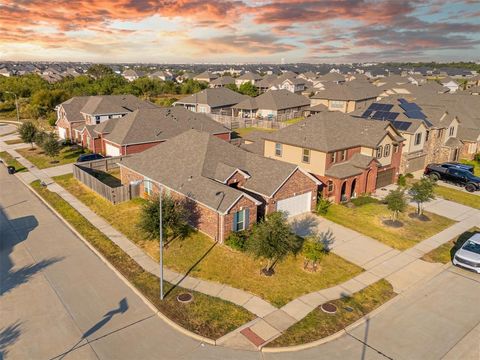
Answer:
(214, 97)
(331, 131)
(113, 104)
(274, 100)
(353, 90)
(150, 125)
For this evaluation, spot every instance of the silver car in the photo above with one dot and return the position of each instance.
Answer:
(468, 256)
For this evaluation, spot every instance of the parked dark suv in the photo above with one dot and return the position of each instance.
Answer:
(89, 157)
(454, 173)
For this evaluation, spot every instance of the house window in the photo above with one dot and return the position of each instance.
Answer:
(278, 149)
(418, 138)
(379, 151)
(330, 186)
(451, 130)
(395, 148)
(306, 156)
(202, 109)
(440, 133)
(333, 157)
(335, 104)
(386, 151)
(240, 220)
(426, 135)
(343, 155)
(148, 186)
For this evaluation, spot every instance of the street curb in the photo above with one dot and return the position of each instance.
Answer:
(355, 324)
(121, 276)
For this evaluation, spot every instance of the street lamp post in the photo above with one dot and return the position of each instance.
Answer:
(16, 103)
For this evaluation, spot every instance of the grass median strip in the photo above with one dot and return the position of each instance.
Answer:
(444, 253)
(318, 324)
(458, 196)
(201, 257)
(9, 160)
(205, 315)
(369, 220)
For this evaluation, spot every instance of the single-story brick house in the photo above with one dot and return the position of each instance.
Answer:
(227, 188)
(143, 128)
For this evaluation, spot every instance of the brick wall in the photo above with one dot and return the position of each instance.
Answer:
(297, 184)
(240, 205)
(350, 153)
(136, 148)
(224, 136)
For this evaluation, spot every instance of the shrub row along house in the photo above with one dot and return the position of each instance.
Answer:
(225, 188)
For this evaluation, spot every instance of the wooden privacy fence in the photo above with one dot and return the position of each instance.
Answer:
(89, 174)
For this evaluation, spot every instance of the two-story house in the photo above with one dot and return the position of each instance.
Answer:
(350, 156)
(346, 97)
(75, 113)
(248, 77)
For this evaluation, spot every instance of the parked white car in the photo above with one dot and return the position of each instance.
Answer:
(468, 256)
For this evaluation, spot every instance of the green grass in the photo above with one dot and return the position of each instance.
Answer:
(318, 324)
(38, 158)
(205, 315)
(458, 196)
(476, 165)
(10, 161)
(202, 258)
(444, 253)
(13, 141)
(294, 120)
(368, 220)
(241, 132)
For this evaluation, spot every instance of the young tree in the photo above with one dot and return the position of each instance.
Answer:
(27, 132)
(174, 217)
(421, 192)
(313, 250)
(248, 89)
(40, 137)
(273, 239)
(51, 146)
(396, 202)
(232, 87)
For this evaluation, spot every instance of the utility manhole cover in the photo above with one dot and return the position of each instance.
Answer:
(185, 298)
(348, 308)
(329, 308)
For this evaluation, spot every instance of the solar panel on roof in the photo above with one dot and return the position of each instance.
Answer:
(427, 122)
(410, 107)
(392, 115)
(380, 115)
(402, 101)
(387, 107)
(401, 125)
(367, 113)
(415, 114)
(373, 107)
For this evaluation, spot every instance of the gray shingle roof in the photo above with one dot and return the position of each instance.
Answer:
(274, 100)
(331, 131)
(352, 167)
(73, 106)
(359, 90)
(195, 164)
(113, 104)
(150, 125)
(214, 97)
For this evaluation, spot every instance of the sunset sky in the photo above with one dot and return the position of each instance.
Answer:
(239, 30)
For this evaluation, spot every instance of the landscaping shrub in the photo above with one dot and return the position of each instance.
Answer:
(322, 206)
(364, 200)
(477, 157)
(238, 240)
(402, 180)
(409, 175)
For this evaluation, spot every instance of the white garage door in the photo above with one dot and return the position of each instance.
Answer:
(62, 133)
(296, 204)
(112, 150)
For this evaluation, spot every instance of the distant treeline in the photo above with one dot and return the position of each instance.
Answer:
(434, 65)
(38, 97)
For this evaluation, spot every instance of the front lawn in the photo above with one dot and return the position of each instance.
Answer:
(202, 258)
(37, 157)
(318, 324)
(444, 253)
(205, 315)
(369, 220)
(9, 160)
(458, 196)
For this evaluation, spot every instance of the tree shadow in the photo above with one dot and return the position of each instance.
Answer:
(305, 226)
(327, 239)
(8, 336)
(121, 309)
